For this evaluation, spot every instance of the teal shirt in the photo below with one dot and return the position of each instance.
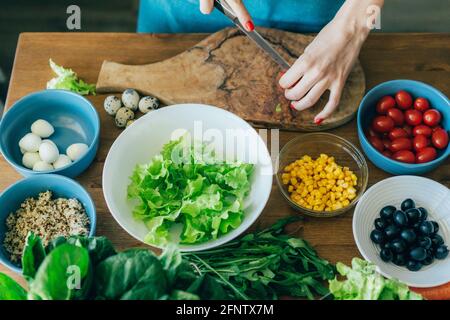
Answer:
(178, 16)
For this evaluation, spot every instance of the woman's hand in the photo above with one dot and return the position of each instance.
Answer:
(206, 7)
(328, 60)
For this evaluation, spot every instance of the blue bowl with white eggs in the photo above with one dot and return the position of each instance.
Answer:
(50, 131)
(14, 195)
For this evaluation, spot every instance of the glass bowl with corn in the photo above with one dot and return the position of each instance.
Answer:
(321, 174)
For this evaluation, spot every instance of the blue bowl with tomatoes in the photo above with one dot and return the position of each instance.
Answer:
(403, 127)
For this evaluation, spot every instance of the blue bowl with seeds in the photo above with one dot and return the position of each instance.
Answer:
(61, 187)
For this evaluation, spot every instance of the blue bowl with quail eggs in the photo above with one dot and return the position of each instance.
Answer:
(50, 131)
(124, 109)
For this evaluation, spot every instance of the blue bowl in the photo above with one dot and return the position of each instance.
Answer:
(75, 121)
(14, 195)
(366, 113)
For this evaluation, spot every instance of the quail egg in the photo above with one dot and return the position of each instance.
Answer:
(130, 99)
(123, 116)
(111, 105)
(148, 103)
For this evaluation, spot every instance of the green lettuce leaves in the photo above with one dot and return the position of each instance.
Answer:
(364, 283)
(187, 184)
(67, 79)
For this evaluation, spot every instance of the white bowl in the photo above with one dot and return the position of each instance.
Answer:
(146, 137)
(426, 193)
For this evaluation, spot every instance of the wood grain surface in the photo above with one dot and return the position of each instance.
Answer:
(384, 57)
(228, 70)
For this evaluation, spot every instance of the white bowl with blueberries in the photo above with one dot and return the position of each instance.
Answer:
(402, 224)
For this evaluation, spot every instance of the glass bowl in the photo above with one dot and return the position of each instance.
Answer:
(313, 144)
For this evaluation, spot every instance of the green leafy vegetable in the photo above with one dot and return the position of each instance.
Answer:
(67, 79)
(89, 268)
(364, 283)
(33, 255)
(11, 290)
(186, 184)
(266, 265)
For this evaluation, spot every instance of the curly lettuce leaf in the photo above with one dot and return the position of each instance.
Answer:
(365, 283)
(187, 184)
(67, 79)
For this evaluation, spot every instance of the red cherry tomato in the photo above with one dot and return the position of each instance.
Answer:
(403, 99)
(420, 142)
(372, 133)
(387, 153)
(426, 154)
(422, 129)
(384, 104)
(398, 133)
(421, 104)
(404, 156)
(401, 144)
(431, 117)
(382, 124)
(408, 129)
(436, 128)
(386, 143)
(440, 139)
(413, 117)
(396, 115)
(376, 143)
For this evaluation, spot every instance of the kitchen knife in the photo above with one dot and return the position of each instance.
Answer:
(224, 7)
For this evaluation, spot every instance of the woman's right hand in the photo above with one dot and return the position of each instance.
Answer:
(206, 7)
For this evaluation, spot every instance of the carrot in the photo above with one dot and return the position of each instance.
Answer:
(435, 293)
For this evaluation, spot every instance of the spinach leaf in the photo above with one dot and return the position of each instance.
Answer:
(99, 248)
(132, 274)
(10, 289)
(33, 255)
(62, 274)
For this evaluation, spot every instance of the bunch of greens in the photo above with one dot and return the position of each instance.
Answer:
(187, 184)
(364, 283)
(89, 268)
(266, 265)
(68, 80)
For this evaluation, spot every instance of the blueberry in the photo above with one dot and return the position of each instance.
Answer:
(398, 245)
(441, 252)
(380, 224)
(391, 231)
(413, 215)
(437, 240)
(426, 228)
(386, 255)
(409, 235)
(399, 259)
(418, 254)
(436, 226)
(423, 214)
(400, 218)
(424, 242)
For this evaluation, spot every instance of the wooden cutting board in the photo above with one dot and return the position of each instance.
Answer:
(229, 71)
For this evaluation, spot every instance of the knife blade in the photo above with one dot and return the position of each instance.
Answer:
(254, 35)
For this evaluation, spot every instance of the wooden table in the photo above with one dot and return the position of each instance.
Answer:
(384, 57)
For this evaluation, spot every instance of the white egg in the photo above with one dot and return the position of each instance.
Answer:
(62, 161)
(42, 166)
(49, 141)
(48, 152)
(42, 128)
(76, 151)
(29, 159)
(111, 105)
(130, 99)
(30, 142)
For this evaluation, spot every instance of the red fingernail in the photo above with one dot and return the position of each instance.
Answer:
(292, 106)
(250, 26)
(318, 121)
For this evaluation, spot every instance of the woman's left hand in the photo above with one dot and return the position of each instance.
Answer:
(325, 64)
